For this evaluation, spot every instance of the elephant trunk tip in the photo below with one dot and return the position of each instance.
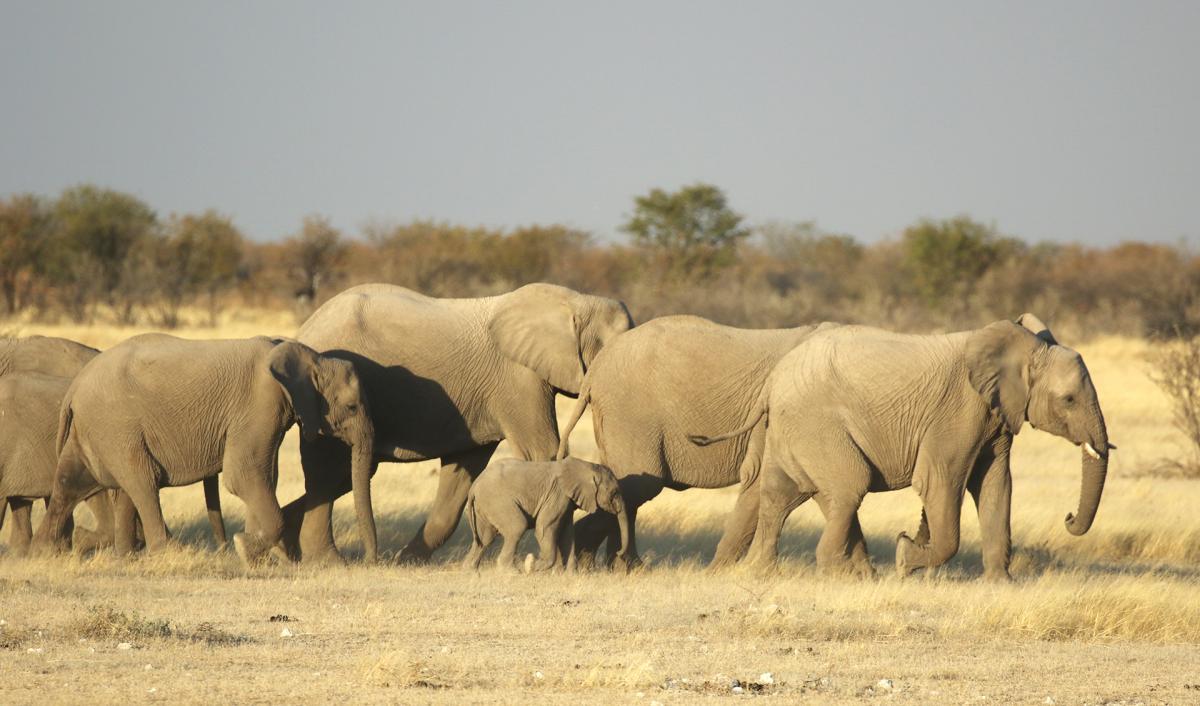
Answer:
(1077, 527)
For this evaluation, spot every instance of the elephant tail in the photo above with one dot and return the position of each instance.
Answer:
(755, 416)
(585, 396)
(66, 416)
(472, 521)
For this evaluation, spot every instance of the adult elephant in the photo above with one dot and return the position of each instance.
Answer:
(158, 411)
(856, 410)
(29, 436)
(652, 386)
(448, 379)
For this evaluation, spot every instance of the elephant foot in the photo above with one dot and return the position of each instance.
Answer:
(905, 546)
(863, 570)
(627, 563)
(254, 552)
(998, 576)
(84, 540)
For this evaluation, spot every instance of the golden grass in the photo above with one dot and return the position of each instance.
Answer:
(1109, 617)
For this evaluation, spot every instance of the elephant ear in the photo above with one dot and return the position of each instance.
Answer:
(535, 326)
(580, 483)
(1037, 328)
(998, 359)
(294, 367)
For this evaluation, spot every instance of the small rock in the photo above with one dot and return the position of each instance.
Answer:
(656, 703)
(152, 690)
(885, 684)
(35, 650)
(124, 646)
(445, 650)
(1049, 701)
(286, 633)
(3, 623)
(639, 695)
(147, 668)
(737, 690)
(539, 676)
(766, 679)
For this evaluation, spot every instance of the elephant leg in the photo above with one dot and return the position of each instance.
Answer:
(743, 521)
(860, 558)
(212, 501)
(143, 492)
(590, 532)
(991, 488)
(508, 551)
(943, 509)
(739, 528)
(125, 521)
(308, 520)
(85, 540)
(546, 531)
(72, 484)
(779, 496)
(637, 491)
(268, 520)
(566, 541)
(841, 519)
(21, 534)
(482, 536)
(454, 480)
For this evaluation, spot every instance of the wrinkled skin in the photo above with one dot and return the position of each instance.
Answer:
(28, 419)
(159, 411)
(448, 379)
(856, 410)
(511, 496)
(645, 397)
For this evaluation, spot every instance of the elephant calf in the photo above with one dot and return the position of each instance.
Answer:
(512, 495)
(158, 411)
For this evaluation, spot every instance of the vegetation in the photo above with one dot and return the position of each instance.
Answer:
(96, 253)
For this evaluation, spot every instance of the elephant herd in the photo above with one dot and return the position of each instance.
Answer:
(380, 373)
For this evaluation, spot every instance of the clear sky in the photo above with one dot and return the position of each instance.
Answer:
(1052, 120)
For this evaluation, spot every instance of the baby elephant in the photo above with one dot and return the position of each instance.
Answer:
(511, 496)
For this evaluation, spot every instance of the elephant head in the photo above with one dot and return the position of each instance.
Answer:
(1024, 374)
(555, 331)
(594, 487)
(327, 399)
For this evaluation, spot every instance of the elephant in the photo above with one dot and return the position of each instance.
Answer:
(448, 379)
(511, 496)
(28, 418)
(651, 386)
(159, 411)
(855, 409)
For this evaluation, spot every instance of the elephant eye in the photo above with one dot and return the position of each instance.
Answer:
(352, 408)
(1069, 399)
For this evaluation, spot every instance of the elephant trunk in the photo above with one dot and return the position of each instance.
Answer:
(1095, 469)
(362, 467)
(623, 524)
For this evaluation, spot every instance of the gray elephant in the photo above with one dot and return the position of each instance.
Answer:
(28, 419)
(855, 410)
(512, 495)
(448, 379)
(159, 411)
(652, 386)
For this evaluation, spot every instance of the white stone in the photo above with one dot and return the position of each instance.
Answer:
(35, 650)
(1049, 701)
(286, 633)
(539, 676)
(147, 668)
(766, 678)
(124, 646)
(885, 684)
(737, 690)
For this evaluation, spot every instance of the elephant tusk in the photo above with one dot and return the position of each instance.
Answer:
(1091, 451)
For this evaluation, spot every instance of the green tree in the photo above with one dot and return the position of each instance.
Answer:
(692, 231)
(102, 239)
(24, 228)
(200, 256)
(317, 253)
(945, 259)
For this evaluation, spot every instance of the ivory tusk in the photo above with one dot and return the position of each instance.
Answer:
(1091, 451)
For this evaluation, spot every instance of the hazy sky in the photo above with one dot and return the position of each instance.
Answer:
(1053, 120)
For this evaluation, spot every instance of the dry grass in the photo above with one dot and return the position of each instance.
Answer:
(1110, 617)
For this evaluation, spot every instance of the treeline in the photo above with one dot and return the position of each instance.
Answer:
(96, 253)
